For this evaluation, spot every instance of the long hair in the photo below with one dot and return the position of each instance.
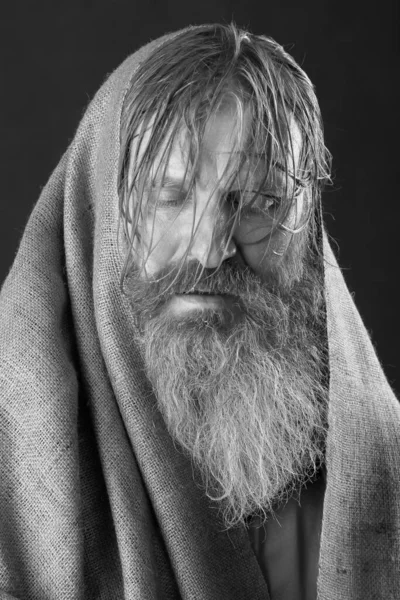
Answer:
(184, 81)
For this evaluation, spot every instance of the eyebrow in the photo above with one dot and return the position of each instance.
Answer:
(168, 180)
(301, 183)
(280, 167)
(178, 182)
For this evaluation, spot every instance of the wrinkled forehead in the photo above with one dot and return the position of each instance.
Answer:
(227, 148)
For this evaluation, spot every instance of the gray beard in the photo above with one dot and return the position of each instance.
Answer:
(245, 400)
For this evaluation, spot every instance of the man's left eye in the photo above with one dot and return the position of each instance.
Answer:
(256, 202)
(264, 201)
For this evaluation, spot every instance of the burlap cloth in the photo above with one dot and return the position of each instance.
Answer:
(95, 500)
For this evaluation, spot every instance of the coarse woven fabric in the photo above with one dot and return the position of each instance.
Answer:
(95, 500)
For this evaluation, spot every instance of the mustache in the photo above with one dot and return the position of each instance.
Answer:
(229, 279)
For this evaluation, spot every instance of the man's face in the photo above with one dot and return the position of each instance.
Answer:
(243, 395)
(174, 223)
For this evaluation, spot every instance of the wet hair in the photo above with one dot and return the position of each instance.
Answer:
(185, 81)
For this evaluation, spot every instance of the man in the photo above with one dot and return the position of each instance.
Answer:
(192, 407)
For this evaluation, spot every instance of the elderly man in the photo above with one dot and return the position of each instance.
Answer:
(191, 406)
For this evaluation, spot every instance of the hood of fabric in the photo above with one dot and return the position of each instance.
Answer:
(96, 501)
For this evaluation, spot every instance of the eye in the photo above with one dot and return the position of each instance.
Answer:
(253, 202)
(169, 197)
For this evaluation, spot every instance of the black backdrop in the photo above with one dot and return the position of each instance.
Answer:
(56, 55)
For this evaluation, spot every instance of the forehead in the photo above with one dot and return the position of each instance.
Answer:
(225, 147)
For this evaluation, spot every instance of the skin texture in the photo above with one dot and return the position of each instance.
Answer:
(166, 233)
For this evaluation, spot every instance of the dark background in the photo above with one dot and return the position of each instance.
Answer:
(56, 55)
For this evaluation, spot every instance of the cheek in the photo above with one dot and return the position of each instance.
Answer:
(159, 245)
(266, 255)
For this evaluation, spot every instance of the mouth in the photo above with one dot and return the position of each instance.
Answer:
(201, 300)
(198, 293)
(202, 292)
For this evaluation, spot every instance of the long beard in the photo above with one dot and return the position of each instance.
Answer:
(245, 400)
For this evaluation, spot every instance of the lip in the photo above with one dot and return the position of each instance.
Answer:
(181, 304)
(199, 300)
(198, 292)
(201, 296)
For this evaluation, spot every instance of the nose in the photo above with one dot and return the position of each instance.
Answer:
(209, 245)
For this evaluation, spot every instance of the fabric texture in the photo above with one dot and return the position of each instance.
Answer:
(95, 500)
